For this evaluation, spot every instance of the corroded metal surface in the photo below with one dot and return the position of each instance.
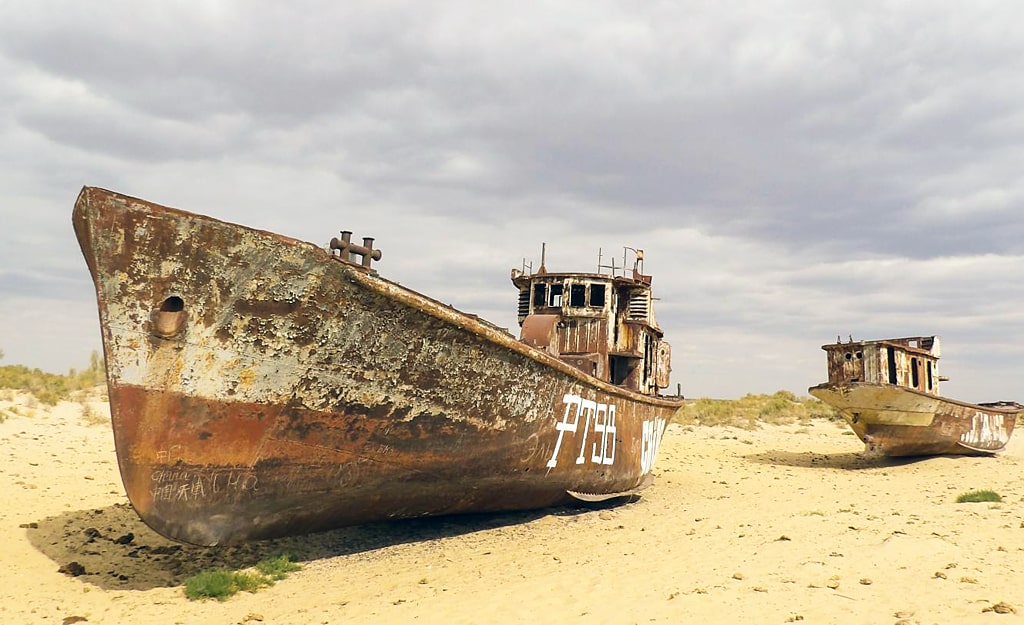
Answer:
(911, 362)
(602, 324)
(888, 391)
(896, 421)
(262, 386)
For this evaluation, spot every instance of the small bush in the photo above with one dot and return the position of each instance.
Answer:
(221, 584)
(278, 568)
(251, 582)
(218, 584)
(979, 496)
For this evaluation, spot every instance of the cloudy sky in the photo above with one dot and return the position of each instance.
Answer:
(794, 170)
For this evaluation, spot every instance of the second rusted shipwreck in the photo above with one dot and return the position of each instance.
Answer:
(888, 391)
(262, 386)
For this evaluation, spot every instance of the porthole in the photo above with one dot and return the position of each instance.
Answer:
(168, 319)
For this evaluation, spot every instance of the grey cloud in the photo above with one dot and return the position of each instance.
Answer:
(46, 286)
(770, 126)
(790, 137)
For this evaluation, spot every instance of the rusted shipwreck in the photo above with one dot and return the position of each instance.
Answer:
(888, 391)
(262, 386)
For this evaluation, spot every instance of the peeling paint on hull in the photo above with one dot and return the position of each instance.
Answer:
(261, 387)
(896, 421)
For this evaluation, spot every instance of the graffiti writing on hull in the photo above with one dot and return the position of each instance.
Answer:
(185, 485)
(651, 442)
(988, 431)
(586, 412)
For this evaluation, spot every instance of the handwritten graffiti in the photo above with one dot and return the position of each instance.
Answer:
(349, 473)
(652, 431)
(169, 455)
(196, 485)
(579, 411)
(987, 431)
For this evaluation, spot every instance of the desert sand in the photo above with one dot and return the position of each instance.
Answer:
(781, 524)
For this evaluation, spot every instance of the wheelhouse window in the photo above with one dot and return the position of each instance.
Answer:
(540, 294)
(578, 295)
(555, 298)
(551, 294)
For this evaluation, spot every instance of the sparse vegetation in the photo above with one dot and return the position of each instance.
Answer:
(979, 496)
(50, 388)
(783, 407)
(221, 584)
(278, 568)
(92, 417)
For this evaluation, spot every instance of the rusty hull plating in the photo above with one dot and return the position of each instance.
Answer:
(888, 391)
(261, 386)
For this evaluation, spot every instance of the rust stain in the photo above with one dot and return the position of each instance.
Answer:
(262, 386)
(888, 391)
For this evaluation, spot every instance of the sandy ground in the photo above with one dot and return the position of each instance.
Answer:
(779, 525)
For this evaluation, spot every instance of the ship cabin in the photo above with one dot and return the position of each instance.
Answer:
(911, 362)
(599, 323)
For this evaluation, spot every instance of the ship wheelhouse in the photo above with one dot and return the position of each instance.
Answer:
(911, 362)
(602, 324)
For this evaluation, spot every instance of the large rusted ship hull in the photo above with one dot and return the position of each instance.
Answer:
(897, 421)
(261, 387)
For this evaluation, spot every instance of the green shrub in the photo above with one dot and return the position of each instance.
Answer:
(251, 582)
(979, 496)
(218, 584)
(221, 584)
(278, 568)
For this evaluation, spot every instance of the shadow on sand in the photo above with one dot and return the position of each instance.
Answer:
(845, 460)
(112, 548)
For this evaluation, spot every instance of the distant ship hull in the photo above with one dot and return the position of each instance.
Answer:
(261, 387)
(897, 421)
